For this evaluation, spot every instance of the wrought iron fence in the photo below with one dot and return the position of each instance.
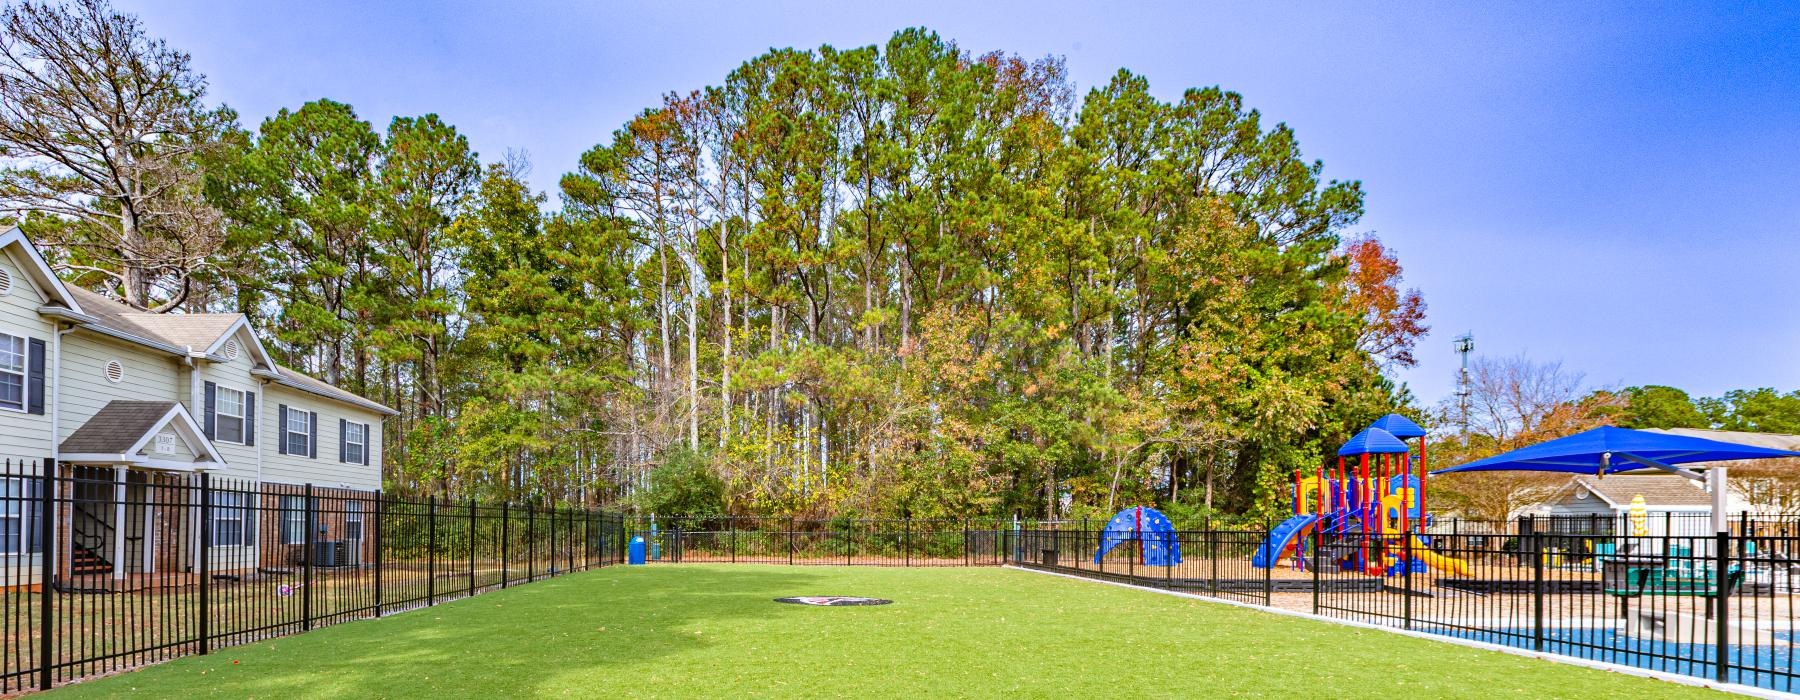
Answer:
(839, 541)
(103, 570)
(1720, 606)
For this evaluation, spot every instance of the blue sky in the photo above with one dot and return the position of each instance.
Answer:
(1615, 186)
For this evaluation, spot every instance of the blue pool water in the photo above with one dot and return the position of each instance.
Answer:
(1760, 666)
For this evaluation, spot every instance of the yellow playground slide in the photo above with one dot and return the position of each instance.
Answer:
(1437, 561)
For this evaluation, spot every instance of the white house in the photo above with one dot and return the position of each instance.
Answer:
(132, 405)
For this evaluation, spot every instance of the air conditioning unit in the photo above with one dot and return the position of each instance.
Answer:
(329, 553)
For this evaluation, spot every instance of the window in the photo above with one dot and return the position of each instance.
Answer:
(12, 372)
(228, 416)
(356, 442)
(298, 432)
(233, 519)
(293, 520)
(18, 516)
(353, 520)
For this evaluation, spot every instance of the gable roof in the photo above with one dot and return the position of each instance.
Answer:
(121, 428)
(38, 269)
(295, 379)
(178, 334)
(1657, 490)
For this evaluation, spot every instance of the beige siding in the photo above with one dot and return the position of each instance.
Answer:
(149, 376)
(22, 435)
(325, 470)
(244, 460)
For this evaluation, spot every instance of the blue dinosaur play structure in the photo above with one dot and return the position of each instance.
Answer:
(1150, 529)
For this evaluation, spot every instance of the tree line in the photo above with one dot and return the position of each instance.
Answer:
(895, 279)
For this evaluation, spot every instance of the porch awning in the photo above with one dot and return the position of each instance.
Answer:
(125, 433)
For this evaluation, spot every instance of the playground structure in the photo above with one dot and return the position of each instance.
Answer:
(1372, 512)
(1150, 529)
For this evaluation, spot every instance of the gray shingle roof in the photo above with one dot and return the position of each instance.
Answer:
(196, 332)
(1658, 490)
(118, 426)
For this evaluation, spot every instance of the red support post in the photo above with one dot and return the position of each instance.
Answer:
(1407, 492)
(1362, 490)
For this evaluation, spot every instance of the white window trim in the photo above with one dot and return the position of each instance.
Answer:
(353, 515)
(243, 419)
(362, 445)
(289, 511)
(24, 373)
(25, 517)
(288, 431)
(236, 513)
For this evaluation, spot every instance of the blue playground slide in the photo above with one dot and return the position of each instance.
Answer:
(1281, 540)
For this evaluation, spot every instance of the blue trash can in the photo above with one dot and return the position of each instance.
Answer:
(636, 552)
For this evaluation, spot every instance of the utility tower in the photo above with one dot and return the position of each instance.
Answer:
(1465, 344)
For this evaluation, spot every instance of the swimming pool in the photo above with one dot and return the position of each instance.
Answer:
(1760, 666)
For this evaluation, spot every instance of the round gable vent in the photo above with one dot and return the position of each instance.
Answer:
(115, 371)
(1580, 493)
(5, 281)
(230, 351)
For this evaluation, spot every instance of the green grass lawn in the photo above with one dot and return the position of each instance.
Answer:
(698, 630)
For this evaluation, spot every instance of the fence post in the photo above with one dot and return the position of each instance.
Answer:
(471, 546)
(431, 550)
(380, 513)
(1314, 559)
(205, 560)
(505, 517)
(966, 559)
(530, 541)
(1406, 548)
(790, 540)
(1268, 573)
(906, 543)
(47, 573)
(1537, 589)
(309, 520)
(849, 542)
(1212, 555)
(1721, 635)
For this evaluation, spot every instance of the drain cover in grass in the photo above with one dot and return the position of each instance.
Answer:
(832, 600)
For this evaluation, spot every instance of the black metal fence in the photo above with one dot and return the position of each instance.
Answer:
(840, 541)
(1721, 606)
(142, 567)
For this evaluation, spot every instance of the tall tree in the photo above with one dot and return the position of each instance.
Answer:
(100, 128)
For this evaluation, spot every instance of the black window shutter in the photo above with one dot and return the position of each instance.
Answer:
(281, 442)
(249, 418)
(312, 434)
(211, 417)
(34, 377)
(368, 443)
(343, 444)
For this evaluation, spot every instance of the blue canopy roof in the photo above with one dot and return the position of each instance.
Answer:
(1399, 426)
(1611, 448)
(1372, 441)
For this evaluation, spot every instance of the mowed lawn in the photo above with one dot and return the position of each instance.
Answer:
(713, 631)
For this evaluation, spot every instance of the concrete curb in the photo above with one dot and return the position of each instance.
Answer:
(1736, 688)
